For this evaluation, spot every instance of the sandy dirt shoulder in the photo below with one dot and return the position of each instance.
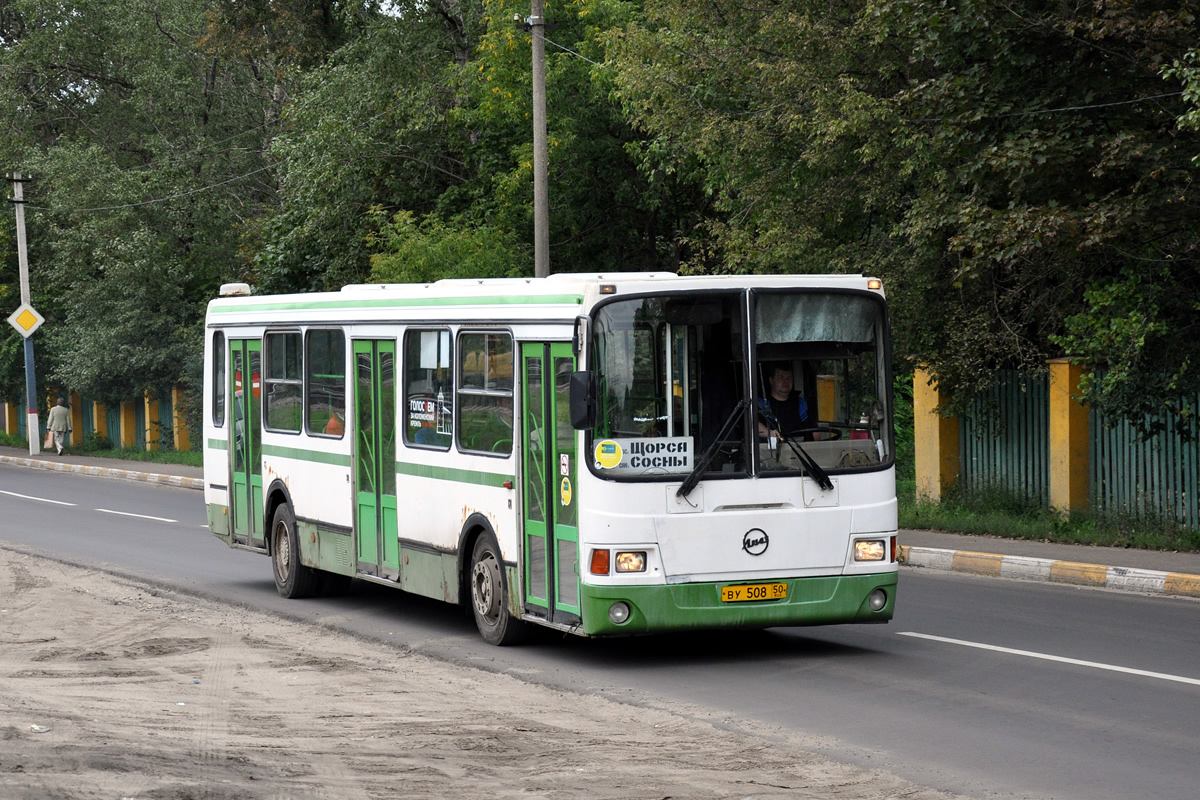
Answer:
(115, 689)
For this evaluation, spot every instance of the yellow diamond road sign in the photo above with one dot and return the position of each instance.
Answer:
(26, 320)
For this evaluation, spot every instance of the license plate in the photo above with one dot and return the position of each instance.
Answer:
(746, 592)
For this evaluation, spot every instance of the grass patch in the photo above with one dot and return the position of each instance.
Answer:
(12, 440)
(188, 458)
(101, 447)
(997, 512)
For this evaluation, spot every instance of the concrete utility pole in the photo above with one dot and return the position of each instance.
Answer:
(26, 320)
(541, 196)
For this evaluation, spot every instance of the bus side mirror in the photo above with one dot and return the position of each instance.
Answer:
(583, 400)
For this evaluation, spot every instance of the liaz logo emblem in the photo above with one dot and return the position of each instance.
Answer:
(755, 541)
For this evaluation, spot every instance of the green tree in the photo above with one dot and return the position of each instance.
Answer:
(609, 210)
(367, 128)
(438, 138)
(1000, 165)
(148, 142)
(147, 151)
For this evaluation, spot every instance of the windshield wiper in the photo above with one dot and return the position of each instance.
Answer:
(810, 465)
(710, 452)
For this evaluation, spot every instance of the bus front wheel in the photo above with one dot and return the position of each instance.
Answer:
(489, 595)
(292, 578)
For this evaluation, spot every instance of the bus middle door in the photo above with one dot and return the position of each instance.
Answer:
(550, 568)
(245, 447)
(377, 542)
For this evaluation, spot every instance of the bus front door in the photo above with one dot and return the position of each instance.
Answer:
(245, 448)
(550, 566)
(377, 542)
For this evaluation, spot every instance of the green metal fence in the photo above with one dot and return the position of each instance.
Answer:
(1159, 477)
(1004, 442)
(112, 419)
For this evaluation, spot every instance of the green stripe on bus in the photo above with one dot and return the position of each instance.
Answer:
(337, 459)
(400, 302)
(402, 468)
(456, 475)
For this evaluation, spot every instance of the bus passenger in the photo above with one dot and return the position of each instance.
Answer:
(335, 427)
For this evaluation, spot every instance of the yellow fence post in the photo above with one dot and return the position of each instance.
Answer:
(76, 403)
(128, 424)
(10, 419)
(99, 420)
(1070, 436)
(936, 440)
(153, 433)
(179, 421)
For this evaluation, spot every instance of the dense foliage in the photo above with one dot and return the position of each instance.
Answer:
(1020, 174)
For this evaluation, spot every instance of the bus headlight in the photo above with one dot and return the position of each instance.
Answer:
(618, 612)
(631, 562)
(870, 550)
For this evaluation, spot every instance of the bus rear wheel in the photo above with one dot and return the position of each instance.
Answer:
(292, 579)
(489, 595)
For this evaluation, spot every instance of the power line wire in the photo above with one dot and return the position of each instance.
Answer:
(1085, 108)
(572, 52)
(1062, 109)
(156, 200)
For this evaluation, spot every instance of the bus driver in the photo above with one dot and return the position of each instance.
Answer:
(783, 403)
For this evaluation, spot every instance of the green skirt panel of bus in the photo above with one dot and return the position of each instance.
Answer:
(698, 606)
(218, 521)
(325, 549)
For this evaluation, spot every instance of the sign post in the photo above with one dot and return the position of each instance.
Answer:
(26, 320)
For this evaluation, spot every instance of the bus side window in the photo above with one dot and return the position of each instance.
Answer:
(428, 389)
(485, 398)
(325, 389)
(218, 385)
(282, 382)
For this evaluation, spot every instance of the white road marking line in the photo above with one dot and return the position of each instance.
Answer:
(139, 516)
(1061, 659)
(39, 499)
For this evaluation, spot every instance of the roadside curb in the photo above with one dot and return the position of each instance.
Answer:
(104, 472)
(1128, 579)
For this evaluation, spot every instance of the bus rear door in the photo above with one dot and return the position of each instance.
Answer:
(375, 529)
(245, 447)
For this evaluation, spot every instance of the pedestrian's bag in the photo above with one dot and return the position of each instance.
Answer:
(49, 440)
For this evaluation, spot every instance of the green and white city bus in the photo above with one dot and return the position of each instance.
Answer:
(600, 454)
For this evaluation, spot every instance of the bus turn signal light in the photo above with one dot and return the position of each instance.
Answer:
(600, 562)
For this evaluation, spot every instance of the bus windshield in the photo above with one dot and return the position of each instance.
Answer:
(810, 365)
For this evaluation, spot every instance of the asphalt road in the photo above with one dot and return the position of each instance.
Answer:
(988, 687)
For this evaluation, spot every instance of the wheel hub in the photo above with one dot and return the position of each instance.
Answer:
(484, 590)
(283, 549)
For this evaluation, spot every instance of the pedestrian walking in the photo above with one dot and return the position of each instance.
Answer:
(59, 423)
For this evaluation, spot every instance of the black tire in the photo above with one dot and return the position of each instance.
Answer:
(292, 579)
(489, 595)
